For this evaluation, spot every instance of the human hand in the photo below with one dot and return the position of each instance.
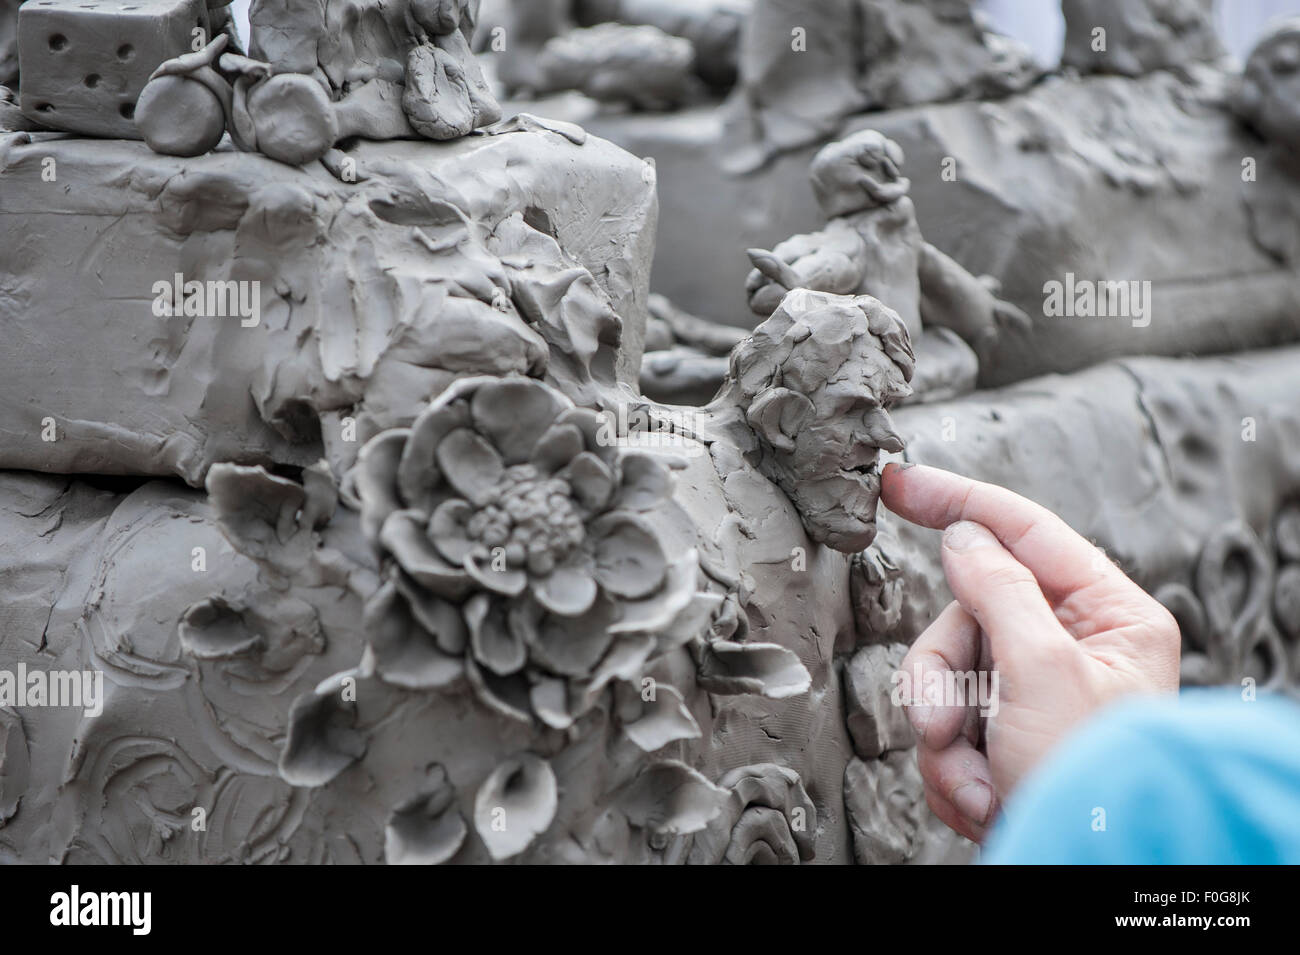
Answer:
(1064, 628)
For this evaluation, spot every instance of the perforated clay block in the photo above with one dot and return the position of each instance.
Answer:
(83, 63)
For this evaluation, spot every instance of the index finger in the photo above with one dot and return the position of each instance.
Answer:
(1061, 560)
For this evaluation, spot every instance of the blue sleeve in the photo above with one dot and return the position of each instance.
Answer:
(1202, 778)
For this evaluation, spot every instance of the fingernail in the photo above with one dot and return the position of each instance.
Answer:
(920, 716)
(974, 801)
(967, 535)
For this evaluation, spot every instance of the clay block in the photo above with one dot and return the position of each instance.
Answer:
(83, 64)
(207, 388)
(874, 722)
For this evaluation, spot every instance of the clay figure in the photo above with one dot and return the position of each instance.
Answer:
(872, 245)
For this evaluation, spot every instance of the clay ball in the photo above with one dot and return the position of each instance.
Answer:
(293, 119)
(178, 116)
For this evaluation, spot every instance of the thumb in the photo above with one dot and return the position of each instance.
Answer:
(1004, 598)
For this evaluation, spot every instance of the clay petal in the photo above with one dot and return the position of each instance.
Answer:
(624, 661)
(646, 482)
(426, 829)
(592, 481)
(671, 798)
(659, 613)
(403, 536)
(549, 698)
(470, 464)
(439, 617)
(215, 630)
(515, 804)
(572, 646)
(630, 562)
(768, 669)
(567, 591)
(509, 582)
(405, 653)
(513, 413)
(691, 623)
(596, 433)
(663, 720)
(557, 447)
(506, 695)
(417, 471)
(374, 478)
(323, 739)
(447, 529)
(494, 643)
(258, 510)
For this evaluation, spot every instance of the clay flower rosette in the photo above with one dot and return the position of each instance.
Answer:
(522, 549)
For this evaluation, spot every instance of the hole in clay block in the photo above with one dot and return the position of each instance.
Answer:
(125, 51)
(127, 110)
(58, 41)
(44, 107)
(91, 80)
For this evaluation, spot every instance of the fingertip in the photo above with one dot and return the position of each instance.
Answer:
(892, 481)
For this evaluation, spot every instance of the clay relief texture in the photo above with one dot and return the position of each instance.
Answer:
(366, 498)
